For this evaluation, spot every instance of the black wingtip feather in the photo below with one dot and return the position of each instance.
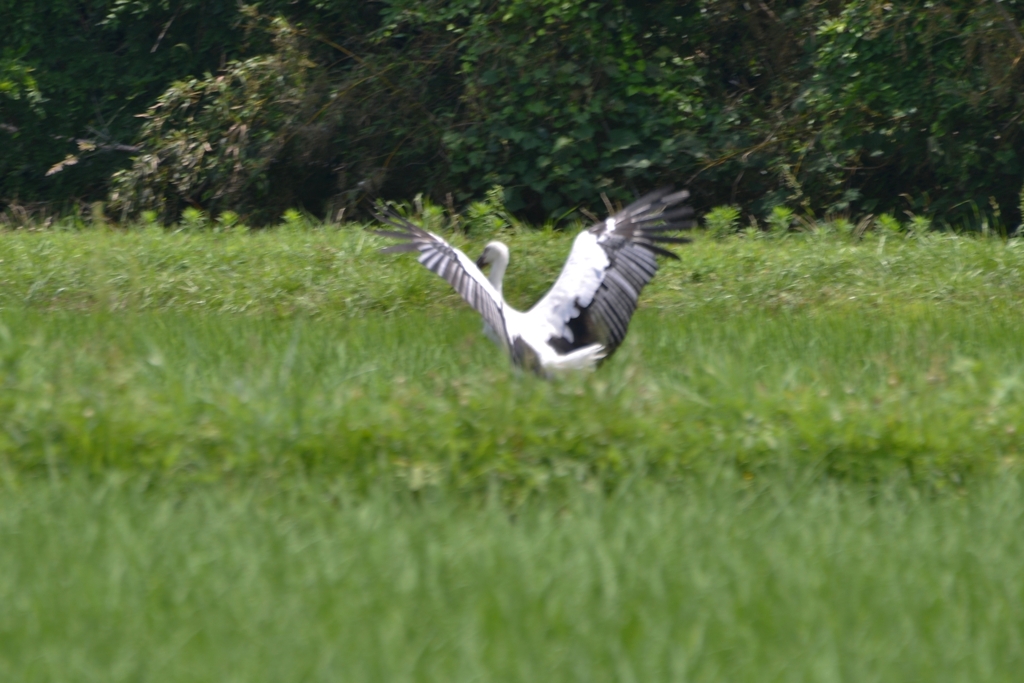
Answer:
(394, 234)
(399, 248)
(675, 214)
(670, 199)
(389, 217)
(661, 252)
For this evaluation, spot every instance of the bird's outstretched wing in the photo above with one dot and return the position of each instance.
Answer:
(451, 264)
(610, 263)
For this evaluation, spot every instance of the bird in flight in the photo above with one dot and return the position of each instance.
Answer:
(584, 317)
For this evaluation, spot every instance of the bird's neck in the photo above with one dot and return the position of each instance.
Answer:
(497, 274)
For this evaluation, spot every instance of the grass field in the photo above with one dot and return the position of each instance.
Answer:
(426, 400)
(107, 582)
(282, 456)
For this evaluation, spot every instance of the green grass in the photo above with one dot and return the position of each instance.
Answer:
(105, 582)
(208, 355)
(338, 272)
(934, 398)
(284, 456)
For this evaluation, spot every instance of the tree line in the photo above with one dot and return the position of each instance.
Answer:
(825, 106)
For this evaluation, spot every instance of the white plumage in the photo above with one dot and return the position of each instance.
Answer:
(585, 315)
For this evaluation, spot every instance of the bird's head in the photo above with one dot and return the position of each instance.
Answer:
(494, 253)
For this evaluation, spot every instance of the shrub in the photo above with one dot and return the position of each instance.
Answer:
(722, 220)
(780, 220)
(887, 223)
(212, 142)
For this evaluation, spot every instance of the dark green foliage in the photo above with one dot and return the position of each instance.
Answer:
(561, 101)
(99, 63)
(96, 66)
(16, 82)
(281, 130)
(920, 98)
(211, 143)
(852, 107)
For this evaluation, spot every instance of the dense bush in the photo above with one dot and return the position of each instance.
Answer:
(99, 63)
(285, 128)
(211, 143)
(557, 102)
(96, 67)
(921, 99)
(560, 101)
(856, 106)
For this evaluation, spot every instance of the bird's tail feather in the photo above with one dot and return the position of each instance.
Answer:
(585, 358)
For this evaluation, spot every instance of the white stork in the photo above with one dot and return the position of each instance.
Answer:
(584, 317)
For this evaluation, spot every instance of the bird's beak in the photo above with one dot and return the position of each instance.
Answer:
(482, 261)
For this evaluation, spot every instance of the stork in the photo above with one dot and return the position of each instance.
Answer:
(584, 317)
